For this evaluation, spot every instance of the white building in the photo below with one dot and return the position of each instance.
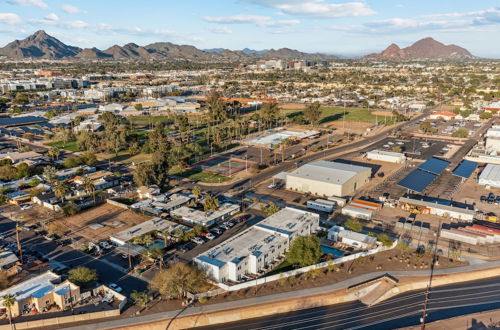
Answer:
(155, 224)
(322, 205)
(490, 176)
(255, 249)
(202, 218)
(493, 145)
(325, 178)
(351, 238)
(386, 156)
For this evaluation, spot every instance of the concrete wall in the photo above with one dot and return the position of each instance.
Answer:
(115, 203)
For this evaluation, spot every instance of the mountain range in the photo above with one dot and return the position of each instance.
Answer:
(40, 45)
(426, 48)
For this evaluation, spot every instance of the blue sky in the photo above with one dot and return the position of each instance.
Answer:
(330, 26)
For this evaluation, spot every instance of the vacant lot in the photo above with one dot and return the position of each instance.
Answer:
(100, 222)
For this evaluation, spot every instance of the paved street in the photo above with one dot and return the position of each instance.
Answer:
(402, 310)
(72, 258)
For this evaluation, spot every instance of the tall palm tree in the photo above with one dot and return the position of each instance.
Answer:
(8, 301)
(284, 143)
(54, 153)
(89, 187)
(60, 190)
(19, 246)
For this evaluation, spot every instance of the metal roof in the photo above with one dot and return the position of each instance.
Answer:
(331, 172)
(417, 180)
(434, 165)
(17, 121)
(465, 169)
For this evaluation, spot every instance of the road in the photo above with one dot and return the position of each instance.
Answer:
(400, 311)
(290, 164)
(71, 258)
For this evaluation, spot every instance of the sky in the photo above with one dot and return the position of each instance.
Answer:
(348, 28)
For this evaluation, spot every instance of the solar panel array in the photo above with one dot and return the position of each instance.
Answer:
(434, 165)
(465, 169)
(417, 180)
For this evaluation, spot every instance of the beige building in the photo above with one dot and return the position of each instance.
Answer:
(40, 293)
(326, 178)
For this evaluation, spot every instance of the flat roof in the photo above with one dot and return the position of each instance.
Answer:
(276, 136)
(429, 204)
(7, 258)
(202, 216)
(491, 173)
(386, 153)
(26, 120)
(258, 238)
(38, 286)
(326, 171)
(145, 227)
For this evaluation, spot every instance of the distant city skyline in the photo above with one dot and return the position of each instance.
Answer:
(348, 28)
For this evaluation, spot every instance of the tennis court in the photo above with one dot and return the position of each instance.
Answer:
(221, 165)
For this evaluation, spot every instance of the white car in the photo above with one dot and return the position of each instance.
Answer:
(271, 186)
(198, 240)
(25, 207)
(115, 287)
(210, 236)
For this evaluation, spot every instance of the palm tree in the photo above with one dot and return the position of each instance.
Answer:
(284, 143)
(61, 189)
(8, 301)
(19, 247)
(89, 187)
(196, 193)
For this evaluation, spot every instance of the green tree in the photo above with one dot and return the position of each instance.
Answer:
(354, 225)
(141, 299)
(304, 251)
(177, 280)
(21, 98)
(425, 127)
(138, 106)
(144, 175)
(486, 115)
(461, 133)
(8, 301)
(4, 280)
(312, 113)
(61, 190)
(210, 202)
(196, 193)
(49, 174)
(50, 114)
(270, 208)
(54, 153)
(82, 275)
(385, 240)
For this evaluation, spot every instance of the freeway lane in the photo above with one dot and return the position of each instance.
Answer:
(72, 258)
(400, 311)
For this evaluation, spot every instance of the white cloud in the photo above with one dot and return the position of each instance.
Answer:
(10, 18)
(317, 8)
(70, 9)
(52, 17)
(221, 29)
(36, 3)
(264, 21)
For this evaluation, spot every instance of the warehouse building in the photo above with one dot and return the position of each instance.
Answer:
(386, 156)
(203, 218)
(256, 250)
(490, 176)
(439, 207)
(325, 178)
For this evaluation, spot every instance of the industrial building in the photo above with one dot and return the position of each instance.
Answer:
(361, 209)
(325, 178)
(490, 176)
(386, 156)
(436, 206)
(255, 250)
(351, 238)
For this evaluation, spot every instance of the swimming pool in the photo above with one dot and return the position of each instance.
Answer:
(329, 250)
(160, 244)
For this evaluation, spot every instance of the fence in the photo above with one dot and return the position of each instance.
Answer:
(115, 203)
(302, 270)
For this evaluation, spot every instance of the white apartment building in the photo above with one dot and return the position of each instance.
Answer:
(253, 250)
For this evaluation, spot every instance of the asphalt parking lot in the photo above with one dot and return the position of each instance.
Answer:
(417, 148)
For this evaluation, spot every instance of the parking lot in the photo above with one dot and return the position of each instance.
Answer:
(416, 147)
(471, 192)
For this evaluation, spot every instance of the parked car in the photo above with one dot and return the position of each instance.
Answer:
(225, 226)
(25, 206)
(105, 245)
(210, 236)
(115, 287)
(186, 247)
(217, 230)
(484, 198)
(198, 240)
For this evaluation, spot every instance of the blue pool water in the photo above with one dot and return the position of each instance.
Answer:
(329, 250)
(160, 244)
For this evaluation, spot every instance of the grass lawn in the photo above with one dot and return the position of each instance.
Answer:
(198, 175)
(145, 120)
(70, 146)
(329, 114)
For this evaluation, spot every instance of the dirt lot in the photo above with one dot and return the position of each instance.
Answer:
(352, 127)
(112, 219)
(36, 214)
(471, 192)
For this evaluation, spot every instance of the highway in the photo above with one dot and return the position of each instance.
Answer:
(400, 311)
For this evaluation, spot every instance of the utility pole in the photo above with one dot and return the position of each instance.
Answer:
(427, 292)
(70, 298)
(129, 257)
